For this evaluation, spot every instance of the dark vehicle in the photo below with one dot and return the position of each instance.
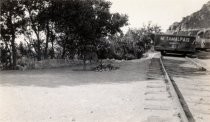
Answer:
(175, 44)
(203, 39)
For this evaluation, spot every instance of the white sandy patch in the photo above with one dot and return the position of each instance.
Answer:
(85, 103)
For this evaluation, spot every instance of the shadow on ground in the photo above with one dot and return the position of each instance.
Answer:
(129, 72)
(176, 64)
(174, 55)
(179, 68)
(200, 54)
(203, 54)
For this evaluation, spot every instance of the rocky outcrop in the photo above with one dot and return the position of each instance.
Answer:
(196, 21)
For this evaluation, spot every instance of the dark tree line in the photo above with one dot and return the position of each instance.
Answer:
(76, 27)
(48, 29)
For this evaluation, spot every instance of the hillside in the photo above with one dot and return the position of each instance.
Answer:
(197, 20)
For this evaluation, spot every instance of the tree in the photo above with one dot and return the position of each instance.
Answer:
(11, 22)
(103, 49)
(33, 9)
(134, 42)
(83, 23)
(151, 28)
(22, 49)
(47, 25)
(144, 36)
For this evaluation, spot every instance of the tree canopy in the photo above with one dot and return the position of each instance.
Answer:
(77, 26)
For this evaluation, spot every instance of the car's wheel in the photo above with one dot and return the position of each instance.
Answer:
(163, 53)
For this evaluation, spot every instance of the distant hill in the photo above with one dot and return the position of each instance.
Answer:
(196, 21)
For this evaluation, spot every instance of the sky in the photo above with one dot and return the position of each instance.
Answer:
(160, 12)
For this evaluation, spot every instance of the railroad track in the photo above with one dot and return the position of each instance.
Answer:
(161, 96)
(189, 78)
(186, 81)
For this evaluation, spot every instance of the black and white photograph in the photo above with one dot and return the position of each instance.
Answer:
(104, 60)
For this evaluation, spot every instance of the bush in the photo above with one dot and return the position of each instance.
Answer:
(105, 67)
(129, 56)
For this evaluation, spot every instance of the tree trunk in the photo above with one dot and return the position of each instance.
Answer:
(64, 49)
(37, 35)
(47, 41)
(38, 48)
(13, 51)
(13, 44)
(52, 43)
(38, 43)
(84, 62)
(53, 52)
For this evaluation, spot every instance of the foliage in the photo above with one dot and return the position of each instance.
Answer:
(83, 23)
(69, 28)
(37, 17)
(11, 22)
(134, 43)
(22, 49)
(105, 67)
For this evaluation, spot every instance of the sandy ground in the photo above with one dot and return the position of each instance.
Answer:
(66, 95)
(69, 95)
(85, 103)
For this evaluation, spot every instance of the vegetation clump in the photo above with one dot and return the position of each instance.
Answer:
(105, 67)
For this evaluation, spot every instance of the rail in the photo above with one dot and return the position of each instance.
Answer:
(185, 114)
